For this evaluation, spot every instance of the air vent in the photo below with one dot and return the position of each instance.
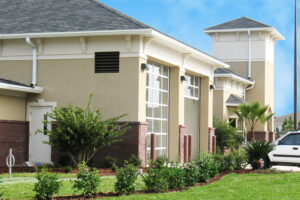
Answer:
(107, 62)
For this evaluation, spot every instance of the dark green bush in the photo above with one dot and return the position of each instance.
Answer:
(87, 180)
(134, 160)
(47, 184)
(110, 163)
(257, 150)
(207, 166)
(240, 159)
(156, 177)
(227, 136)
(192, 174)
(176, 176)
(126, 178)
(68, 169)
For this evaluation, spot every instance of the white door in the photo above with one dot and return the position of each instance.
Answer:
(38, 151)
(287, 150)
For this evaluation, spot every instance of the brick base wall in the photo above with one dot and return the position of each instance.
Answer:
(263, 135)
(15, 135)
(134, 141)
(182, 132)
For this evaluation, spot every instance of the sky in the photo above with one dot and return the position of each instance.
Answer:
(186, 19)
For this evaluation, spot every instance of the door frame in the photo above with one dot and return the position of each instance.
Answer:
(38, 103)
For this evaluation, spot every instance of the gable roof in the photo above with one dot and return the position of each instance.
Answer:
(222, 72)
(240, 23)
(234, 100)
(38, 16)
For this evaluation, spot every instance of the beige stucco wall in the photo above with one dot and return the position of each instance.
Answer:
(12, 107)
(73, 80)
(192, 122)
(263, 91)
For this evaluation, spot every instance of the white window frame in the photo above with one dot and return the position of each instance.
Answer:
(186, 85)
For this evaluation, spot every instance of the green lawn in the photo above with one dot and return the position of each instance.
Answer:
(232, 186)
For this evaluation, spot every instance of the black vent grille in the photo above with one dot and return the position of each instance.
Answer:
(107, 62)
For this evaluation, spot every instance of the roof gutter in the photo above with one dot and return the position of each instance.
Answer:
(34, 60)
(235, 77)
(35, 90)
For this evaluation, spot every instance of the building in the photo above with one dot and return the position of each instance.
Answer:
(57, 52)
(248, 47)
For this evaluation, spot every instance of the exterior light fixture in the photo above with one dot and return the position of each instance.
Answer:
(182, 78)
(212, 87)
(144, 66)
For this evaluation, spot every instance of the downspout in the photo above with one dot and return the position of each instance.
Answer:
(244, 121)
(34, 60)
(249, 53)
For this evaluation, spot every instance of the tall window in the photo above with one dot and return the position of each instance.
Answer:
(157, 107)
(192, 87)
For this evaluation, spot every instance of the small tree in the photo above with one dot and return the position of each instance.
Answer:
(227, 136)
(81, 133)
(288, 125)
(253, 113)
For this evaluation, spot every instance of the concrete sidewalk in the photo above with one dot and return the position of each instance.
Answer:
(286, 168)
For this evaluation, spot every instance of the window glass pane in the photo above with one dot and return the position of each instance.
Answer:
(156, 97)
(289, 140)
(164, 127)
(197, 92)
(164, 98)
(149, 95)
(157, 111)
(164, 112)
(165, 84)
(164, 153)
(197, 81)
(148, 141)
(149, 128)
(156, 126)
(149, 110)
(165, 72)
(156, 69)
(157, 140)
(164, 140)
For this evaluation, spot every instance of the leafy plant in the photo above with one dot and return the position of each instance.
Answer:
(192, 174)
(207, 166)
(176, 176)
(227, 136)
(68, 169)
(156, 177)
(110, 163)
(87, 180)
(134, 160)
(258, 150)
(225, 162)
(81, 133)
(240, 158)
(126, 178)
(253, 113)
(47, 184)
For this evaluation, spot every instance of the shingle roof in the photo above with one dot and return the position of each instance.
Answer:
(227, 71)
(35, 16)
(234, 100)
(10, 82)
(239, 23)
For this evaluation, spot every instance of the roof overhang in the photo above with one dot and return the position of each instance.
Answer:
(23, 89)
(271, 30)
(233, 76)
(163, 38)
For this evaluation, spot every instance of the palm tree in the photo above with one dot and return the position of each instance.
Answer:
(253, 113)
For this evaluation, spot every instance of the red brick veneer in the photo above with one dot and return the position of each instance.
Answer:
(15, 135)
(182, 132)
(134, 141)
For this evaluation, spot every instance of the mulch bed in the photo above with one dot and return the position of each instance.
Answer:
(102, 172)
(212, 180)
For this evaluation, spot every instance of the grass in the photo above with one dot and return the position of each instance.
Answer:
(230, 187)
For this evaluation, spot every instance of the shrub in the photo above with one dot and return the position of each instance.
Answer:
(176, 176)
(258, 150)
(207, 166)
(110, 163)
(156, 177)
(126, 177)
(227, 136)
(68, 169)
(240, 159)
(47, 184)
(134, 160)
(191, 173)
(87, 180)
(1, 187)
(80, 133)
(225, 162)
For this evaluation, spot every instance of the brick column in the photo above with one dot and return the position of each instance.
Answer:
(182, 132)
(272, 136)
(261, 135)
